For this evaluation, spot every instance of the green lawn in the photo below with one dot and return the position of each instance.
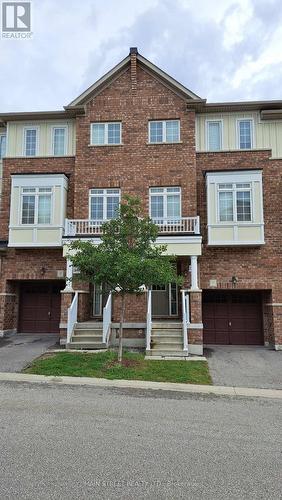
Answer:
(134, 367)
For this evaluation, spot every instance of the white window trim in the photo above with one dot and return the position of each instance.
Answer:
(36, 194)
(164, 193)
(105, 195)
(234, 191)
(31, 127)
(106, 143)
(170, 294)
(238, 120)
(164, 122)
(243, 176)
(209, 120)
(4, 134)
(53, 128)
(36, 181)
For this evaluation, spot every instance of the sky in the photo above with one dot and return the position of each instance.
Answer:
(223, 50)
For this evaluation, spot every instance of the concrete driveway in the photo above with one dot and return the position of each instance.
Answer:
(16, 351)
(245, 366)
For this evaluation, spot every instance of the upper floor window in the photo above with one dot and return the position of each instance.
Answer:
(104, 203)
(30, 141)
(165, 203)
(59, 141)
(245, 134)
(105, 133)
(214, 135)
(164, 131)
(2, 145)
(36, 205)
(235, 202)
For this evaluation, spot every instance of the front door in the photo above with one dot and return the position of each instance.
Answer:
(165, 300)
(40, 307)
(100, 297)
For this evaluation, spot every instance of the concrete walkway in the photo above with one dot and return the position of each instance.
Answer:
(245, 366)
(16, 351)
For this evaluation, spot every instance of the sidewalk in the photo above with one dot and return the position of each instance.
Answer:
(136, 384)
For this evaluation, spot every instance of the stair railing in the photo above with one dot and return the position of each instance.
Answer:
(149, 321)
(185, 318)
(107, 320)
(72, 317)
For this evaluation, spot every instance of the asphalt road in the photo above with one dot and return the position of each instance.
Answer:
(75, 443)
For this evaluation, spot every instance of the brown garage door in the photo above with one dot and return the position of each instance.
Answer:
(40, 307)
(232, 318)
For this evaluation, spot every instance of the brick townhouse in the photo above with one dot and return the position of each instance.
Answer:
(209, 175)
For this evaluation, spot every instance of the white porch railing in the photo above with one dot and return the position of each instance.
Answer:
(72, 317)
(179, 225)
(149, 321)
(185, 318)
(107, 319)
(85, 227)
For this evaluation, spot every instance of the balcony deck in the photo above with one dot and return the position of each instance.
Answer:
(93, 228)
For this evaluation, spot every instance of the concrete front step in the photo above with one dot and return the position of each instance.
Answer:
(165, 348)
(167, 340)
(163, 353)
(167, 334)
(166, 326)
(168, 357)
(87, 345)
(89, 325)
(86, 339)
(93, 333)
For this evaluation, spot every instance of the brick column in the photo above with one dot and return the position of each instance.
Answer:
(272, 320)
(195, 330)
(8, 316)
(83, 312)
(277, 324)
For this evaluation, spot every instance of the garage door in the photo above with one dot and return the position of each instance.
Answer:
(40, 307)
(232, 318)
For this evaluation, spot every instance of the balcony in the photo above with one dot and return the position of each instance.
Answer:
(183, 226)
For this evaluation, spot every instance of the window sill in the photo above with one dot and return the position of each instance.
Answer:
(36, 226)
(38, 157)
(227, 243)
(236, 223)
(105, 145)
(163, 143)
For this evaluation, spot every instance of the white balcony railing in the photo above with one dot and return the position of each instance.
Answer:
(88, 227)
(107, 320)
(72, 317)
(149, 321)
(185, 318)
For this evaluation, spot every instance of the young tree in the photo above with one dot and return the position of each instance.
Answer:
(127, 258)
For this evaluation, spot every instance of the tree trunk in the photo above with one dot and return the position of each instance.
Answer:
(121, 328)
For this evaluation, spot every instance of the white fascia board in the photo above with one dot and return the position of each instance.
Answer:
(239, 176)
(39, 180)
(178, 239)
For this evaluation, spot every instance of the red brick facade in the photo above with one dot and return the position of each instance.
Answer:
(256, 268)
(134, 97)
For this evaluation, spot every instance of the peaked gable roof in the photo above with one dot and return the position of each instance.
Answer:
(111, 75)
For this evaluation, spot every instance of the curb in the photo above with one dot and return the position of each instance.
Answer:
(138, 384)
